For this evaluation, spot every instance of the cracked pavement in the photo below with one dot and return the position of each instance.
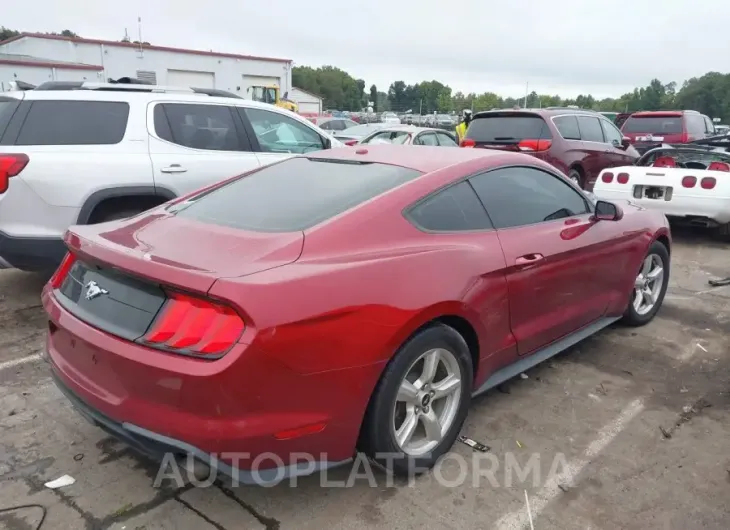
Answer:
(663, 464)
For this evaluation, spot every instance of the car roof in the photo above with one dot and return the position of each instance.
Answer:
(425, 159)
(662, 113)
(544, 112)
(409, 128)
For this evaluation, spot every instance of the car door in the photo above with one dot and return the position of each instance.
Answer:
(597, 151)
(276, 136)
(446, 140)
(561, 262)
(193, 145)
(616, 155)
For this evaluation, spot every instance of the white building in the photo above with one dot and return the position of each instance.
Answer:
(308, 103)
(35, 58)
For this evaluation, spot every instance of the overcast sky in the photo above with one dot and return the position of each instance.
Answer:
(565, 47)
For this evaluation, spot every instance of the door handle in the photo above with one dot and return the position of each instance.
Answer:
(528, 259)
(173, 168)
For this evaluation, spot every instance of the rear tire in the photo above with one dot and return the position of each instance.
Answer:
(420, 402)
(576, 177)
(650, 286)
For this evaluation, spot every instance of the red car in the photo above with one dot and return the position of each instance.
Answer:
(647, 130)
(347, 300)
(580, 143)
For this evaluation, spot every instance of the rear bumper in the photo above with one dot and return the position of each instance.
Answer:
(30, 253)
(155, 446)
(715, 209)
(229, 412)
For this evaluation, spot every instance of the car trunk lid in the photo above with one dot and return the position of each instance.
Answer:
(167, 248)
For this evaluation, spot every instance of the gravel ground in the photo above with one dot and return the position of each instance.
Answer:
(627, 430)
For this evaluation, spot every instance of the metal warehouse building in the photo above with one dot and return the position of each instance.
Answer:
(36, 58)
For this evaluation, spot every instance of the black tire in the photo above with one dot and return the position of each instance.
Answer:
(115, 216)
(378, 434)
(633, 318)
(576, 177)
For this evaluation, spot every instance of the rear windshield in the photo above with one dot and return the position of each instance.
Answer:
(388, 137)
(653, 125)
(295, 194)
(507, 128)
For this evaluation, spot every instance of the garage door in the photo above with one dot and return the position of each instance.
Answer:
(190, 78)
(309, 107)
(260, 80)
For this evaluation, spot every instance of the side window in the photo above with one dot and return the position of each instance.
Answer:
(695, 124)
(454, 209)
(710, 126)
(519, 196)
(590, 129)
(427, 139)
(388, 137)
(612, 134)
(278, 133)
(205, 127)
(567, 127)
(328, 125)
(446, 141)
(74, 123)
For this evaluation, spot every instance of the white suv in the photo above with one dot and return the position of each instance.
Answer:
(89, 153)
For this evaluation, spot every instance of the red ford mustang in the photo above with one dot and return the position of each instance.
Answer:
(347, 300)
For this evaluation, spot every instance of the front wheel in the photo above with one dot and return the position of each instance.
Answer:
(421, 402)
(650, 286)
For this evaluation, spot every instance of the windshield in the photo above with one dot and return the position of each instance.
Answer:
(388, 137)
(295, 194)
(496, 128)
(687, 158)
(653, 125)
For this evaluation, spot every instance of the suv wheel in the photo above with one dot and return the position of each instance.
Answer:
(116, 216)
(576, 177)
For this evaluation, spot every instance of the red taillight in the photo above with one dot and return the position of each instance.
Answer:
(708, 183)
(10, 166)
(62, 271)
(467, 142)
(351, 142)
(689, 182)
(622, 178)
(193, 325)
(535, 145)
(607, 177)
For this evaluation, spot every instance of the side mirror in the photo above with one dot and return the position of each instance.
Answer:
(625, 142)
(608, 211)
(327, 143)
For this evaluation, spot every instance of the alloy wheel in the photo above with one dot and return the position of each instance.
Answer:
(648, 284)
(427, 402)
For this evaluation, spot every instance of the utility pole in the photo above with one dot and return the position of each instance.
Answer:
(527, 91)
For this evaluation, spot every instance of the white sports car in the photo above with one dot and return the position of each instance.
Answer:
(688, 182)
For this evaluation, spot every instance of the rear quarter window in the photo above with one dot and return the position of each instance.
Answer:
(495, 128)
(567, 127)
(295, 194)
(74, 123)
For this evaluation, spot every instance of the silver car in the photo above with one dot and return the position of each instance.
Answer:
(411, 135)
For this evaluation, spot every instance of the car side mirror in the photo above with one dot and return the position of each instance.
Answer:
(608, 211)
(625, 142)
(327, 143)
